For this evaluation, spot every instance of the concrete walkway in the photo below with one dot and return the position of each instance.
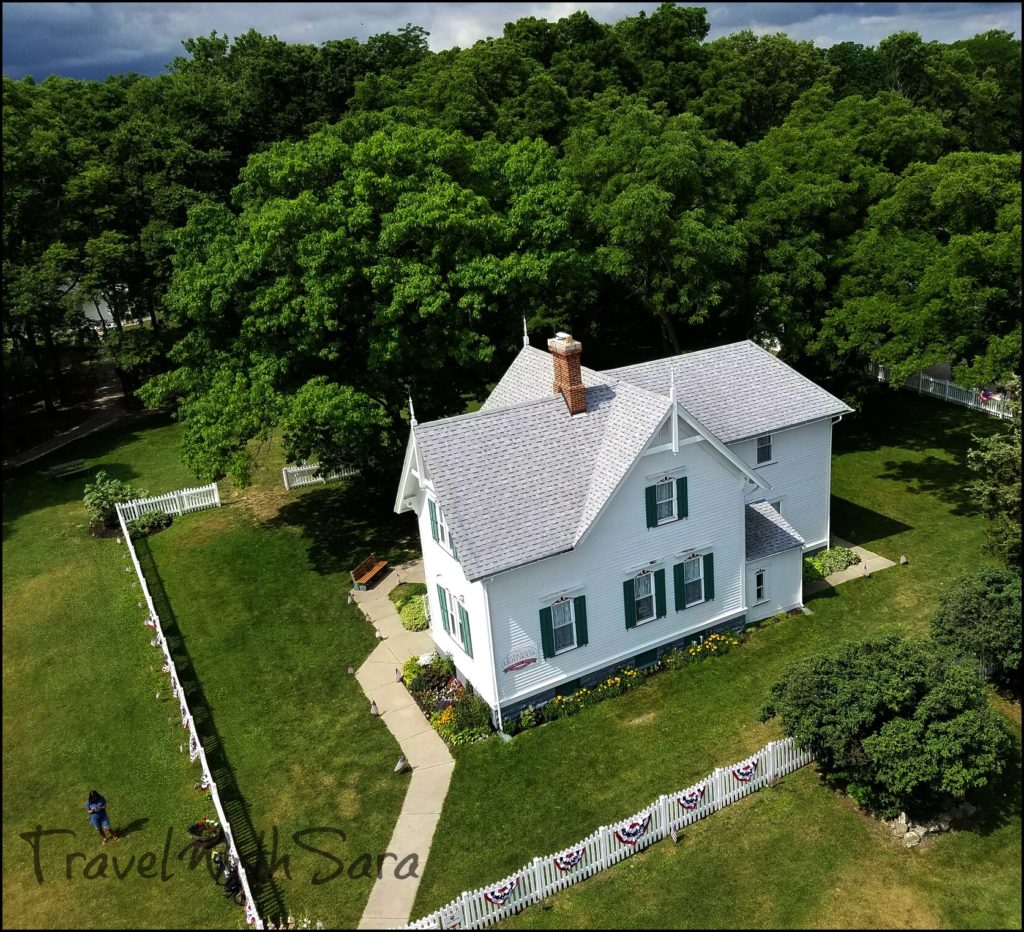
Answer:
(390, 903)
(873, 561)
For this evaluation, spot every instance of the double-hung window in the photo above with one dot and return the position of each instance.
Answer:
(693, 581)
(439, 529)
(665, 497)
(764, 449)
(643, 593)
(761, 586)
(563, 625)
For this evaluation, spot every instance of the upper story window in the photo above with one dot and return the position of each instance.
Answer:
(439, 529)
(764, 449)
(667, 501)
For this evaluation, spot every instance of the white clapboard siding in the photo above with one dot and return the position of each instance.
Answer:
(542, 877)
(295, 476)
(174, 503)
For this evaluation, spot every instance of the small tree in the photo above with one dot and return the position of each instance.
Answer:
(102, 494)
(895, 722)
(979, 617)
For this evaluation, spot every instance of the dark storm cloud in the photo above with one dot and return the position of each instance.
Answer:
(92, 40)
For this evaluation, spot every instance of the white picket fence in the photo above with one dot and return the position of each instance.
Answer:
(174, 503)
(924, 384)
(295, 476)
(195, 745)
(613, 843)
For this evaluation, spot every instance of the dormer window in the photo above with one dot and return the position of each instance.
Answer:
(764, 449)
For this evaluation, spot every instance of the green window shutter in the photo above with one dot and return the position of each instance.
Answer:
(679, 582)
(659, 593)
(651, 494)
(579, 605)
(442, 598)
(433, 519)
(547, 633)
(467, 641)
(709, 576)
(455, 550)
(629, 599)
(682, 502)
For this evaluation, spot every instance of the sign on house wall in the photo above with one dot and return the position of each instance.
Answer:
(519, 658)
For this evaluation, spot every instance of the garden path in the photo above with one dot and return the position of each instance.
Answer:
(391, 900)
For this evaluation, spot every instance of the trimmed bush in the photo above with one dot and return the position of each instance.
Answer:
(979, 617)
(414, 618)
(147, 523)
(406, 592)
(893, 722)
(828, 562)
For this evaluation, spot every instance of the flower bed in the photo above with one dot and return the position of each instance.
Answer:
(828, 562)
(457, 714)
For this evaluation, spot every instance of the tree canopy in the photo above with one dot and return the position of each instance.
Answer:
(323, 230)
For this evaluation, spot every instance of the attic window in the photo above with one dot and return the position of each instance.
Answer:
(666, 499)
(764, 449)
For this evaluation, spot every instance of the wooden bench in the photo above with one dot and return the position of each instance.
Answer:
(71, 468)
(363, 574)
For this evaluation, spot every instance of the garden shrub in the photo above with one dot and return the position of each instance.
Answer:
(406, 592)
(467, 719)
(979, 617)
(147, 523)
(894, 722)
(414, 618)
(828, 562)
(103, 494)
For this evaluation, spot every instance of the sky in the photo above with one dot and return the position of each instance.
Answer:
(93, 40)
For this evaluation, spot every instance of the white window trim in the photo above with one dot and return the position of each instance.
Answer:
(572, 624)
(653, 597)
(763, 572)
(703, 592)
(449, 609)
(671, 483)
(444, 534)
(771, 446)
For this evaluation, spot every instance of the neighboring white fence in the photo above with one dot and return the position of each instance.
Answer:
(612, 843)
(195, 746)
(995, 404)
(174, 503)
(295, 476)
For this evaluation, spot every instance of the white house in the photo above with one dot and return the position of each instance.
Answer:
(582, 521)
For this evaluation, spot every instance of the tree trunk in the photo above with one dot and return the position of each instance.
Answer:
(58, 375)
(103, 320)
(37, 357)
(670, 332)
(152, 313)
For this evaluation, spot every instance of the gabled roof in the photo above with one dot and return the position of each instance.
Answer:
(737, 391)
(522, 479)
(522, 482)
(768, 532)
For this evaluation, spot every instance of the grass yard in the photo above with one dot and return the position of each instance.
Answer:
(257, 591)
(899, 481)
(79, 709)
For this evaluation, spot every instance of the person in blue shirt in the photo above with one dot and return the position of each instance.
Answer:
(96, 806)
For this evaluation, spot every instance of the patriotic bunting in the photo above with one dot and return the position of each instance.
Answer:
(251, 916)
(745, 772)
(633, 832)
(184, 713)
(566, 862)
(193, 746)
(690, 800)
(499, 896)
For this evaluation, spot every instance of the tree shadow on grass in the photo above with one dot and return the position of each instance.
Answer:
(862, 526)
(269, 901)
(345, 522)
(940, 478)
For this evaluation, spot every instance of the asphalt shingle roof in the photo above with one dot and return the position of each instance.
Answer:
(736, 391)
(522, 479)
(768, 532)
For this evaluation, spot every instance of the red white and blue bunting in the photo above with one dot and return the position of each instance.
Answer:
(566, 862)
(251, 916)
(745, 772)
(184, 712)
(631, 833)
(499, 896)
(690, 800)
(193, 746)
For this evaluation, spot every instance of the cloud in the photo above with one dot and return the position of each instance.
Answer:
(92, 40)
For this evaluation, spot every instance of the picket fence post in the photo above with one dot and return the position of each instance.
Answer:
(538, 880)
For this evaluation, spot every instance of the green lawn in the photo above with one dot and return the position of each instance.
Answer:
(79, 709)
(256, 593)
(898, 479)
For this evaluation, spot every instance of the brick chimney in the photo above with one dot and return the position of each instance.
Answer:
(565, 351)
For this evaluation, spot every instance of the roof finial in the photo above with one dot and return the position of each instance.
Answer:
(412, 413)
(526, 335)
